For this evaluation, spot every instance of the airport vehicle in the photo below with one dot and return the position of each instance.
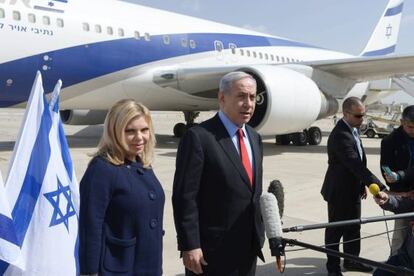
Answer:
(174, 62)
(371, 129)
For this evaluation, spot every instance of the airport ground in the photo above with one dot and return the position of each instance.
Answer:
(300, 169)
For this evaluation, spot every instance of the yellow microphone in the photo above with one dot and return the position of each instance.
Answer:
(374, 189)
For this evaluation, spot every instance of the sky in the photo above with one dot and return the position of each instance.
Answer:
(342, 25)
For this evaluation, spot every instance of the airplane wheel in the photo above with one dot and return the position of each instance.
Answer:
(314, 136)
(282, 140)
(300, 138)
(370, 133)
(179, 130)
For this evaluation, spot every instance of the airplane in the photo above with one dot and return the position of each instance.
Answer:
(105, 50)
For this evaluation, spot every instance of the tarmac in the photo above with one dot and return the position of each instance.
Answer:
(300, 169)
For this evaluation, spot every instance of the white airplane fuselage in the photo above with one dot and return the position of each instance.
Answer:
(105, 50)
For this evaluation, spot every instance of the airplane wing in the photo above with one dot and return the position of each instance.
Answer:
(367, 68)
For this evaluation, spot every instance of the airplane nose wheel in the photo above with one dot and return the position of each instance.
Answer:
(181, 128)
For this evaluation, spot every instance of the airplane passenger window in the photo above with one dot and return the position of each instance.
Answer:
(248, 53)
(283, 59)
(121, 32)
(85, 27)
(60, 23)
(166, 39)
(1, 13)
(277, 58)
(31, 18)
(98, 28)
(233, 47)
(109, 30)
(288, 59)
(266, 56)
(272, 57)
(184, 42)
(192, 44)
(136, 35)
(260, 55)
(254, 54)
(16, 15)
(242, 52)
(147, 37)
(46, 20)
(218, 46)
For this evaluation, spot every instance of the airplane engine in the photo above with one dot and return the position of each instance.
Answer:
(287, 101)
(83, 117)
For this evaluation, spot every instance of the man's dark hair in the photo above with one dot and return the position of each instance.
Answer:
(408, 113)
(350, 102)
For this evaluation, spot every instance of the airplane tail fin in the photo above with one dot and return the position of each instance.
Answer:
(384, 38)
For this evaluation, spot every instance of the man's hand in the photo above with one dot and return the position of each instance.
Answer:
(381, 198)
(365, 193)
(193, 259)
(392, 178)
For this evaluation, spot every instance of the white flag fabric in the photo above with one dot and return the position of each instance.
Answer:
(9, 248)
(44, 192)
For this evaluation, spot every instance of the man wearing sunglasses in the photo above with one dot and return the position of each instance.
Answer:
(345, 184)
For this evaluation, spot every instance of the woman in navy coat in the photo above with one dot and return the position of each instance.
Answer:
(122, 202)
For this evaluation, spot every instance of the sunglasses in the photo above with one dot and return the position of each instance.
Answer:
(359, 116)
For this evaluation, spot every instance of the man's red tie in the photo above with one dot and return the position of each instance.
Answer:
(244, 156)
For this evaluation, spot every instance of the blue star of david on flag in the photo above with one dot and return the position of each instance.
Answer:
(54, 198)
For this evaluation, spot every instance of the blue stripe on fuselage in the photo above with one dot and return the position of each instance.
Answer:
(380, 52)
(85, 62)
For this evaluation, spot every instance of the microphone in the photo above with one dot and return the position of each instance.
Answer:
(374, 189)
(273, 226)
(276, 188)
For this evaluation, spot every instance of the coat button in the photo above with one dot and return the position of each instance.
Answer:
(152, 195)
(153, 223)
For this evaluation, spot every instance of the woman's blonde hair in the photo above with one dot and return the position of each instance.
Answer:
(112, 145)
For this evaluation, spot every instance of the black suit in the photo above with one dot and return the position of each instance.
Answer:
(343, 187)
(215, 208)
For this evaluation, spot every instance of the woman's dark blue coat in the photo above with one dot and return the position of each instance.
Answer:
(121, 217)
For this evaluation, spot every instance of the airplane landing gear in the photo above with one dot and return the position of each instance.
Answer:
(180, 128)
(311, 136)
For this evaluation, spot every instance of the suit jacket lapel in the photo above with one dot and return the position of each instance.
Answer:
(226, 143)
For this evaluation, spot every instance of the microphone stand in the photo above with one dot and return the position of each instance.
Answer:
(346, 222)
(399, 270)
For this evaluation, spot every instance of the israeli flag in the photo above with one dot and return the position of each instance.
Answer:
(42, 187)
(9, 249)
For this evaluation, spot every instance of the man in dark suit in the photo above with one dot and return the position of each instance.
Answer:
(397, 153)
(345, 184)
(217, 186)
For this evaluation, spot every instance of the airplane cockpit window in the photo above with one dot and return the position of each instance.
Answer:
(98, 28)
(166, 39)
(31, 18)
(136, 35)
(1, 13)
(121, 32)
(85, 27)
(60, 23)
(218, 45)
(109, 30)
(147, 37)
(184, 42)
(16, 15)
(192, 44)
(46, 20)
